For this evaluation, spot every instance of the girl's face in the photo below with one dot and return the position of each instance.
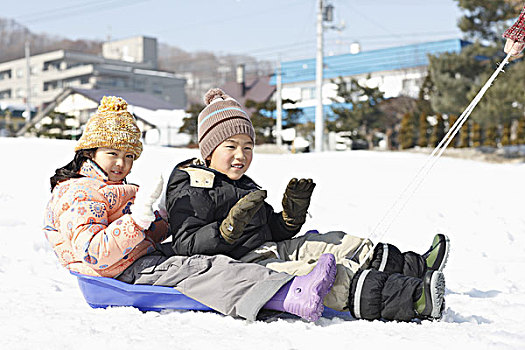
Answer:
(117, 164)
(233, 157)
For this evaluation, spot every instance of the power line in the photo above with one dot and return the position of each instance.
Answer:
(77, 10)
(335, 42)
(304, 53)
(230, 18)
(55, 10)
(376, 23)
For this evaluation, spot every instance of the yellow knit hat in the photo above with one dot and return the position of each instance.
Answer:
(112, 126)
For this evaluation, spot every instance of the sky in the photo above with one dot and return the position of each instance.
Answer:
(478, 205)
(267, 30)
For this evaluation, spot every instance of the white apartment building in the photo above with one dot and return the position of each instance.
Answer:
(125, 65)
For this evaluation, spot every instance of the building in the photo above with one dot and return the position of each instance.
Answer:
(257, 89)
(158, 119)
(125, 65)
(395, 71)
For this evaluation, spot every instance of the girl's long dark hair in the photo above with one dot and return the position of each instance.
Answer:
(71, 170)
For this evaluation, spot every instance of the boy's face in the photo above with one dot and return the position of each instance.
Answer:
(233, 157)
(116, 163)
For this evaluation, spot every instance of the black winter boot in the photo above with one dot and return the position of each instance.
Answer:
(388, 258)
(436, 257)
(375, 294)
(379, 295)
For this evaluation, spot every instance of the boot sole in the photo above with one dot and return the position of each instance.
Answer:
(324, 277)
(437, 294)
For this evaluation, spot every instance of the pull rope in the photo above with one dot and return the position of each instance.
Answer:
(401, 201)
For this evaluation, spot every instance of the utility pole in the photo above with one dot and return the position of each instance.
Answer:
(319, 122)
(279, 107)
(28, 83)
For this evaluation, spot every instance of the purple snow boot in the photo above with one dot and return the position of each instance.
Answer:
(303, 296)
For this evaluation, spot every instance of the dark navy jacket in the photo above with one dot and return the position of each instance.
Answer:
(198, 199)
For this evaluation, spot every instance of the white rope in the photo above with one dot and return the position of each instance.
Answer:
(431, 160)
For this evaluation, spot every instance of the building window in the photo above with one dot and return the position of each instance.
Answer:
(5, 94)
(73, 65)
(51, 65)
(6, 74)
(138, 85)
(20, 72)
(411, 86)
(308, 93)
(20, 92)
(157, 90)
(52, 85)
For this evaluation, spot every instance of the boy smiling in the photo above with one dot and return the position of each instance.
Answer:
(234, 156)
(200, 196)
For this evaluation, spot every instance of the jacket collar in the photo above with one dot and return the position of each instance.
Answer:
(93, 170)
(245, 180)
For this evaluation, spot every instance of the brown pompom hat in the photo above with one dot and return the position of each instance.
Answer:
(112, 126)
(223, 117)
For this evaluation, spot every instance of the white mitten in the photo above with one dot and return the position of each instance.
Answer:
(162, 205)
(141, 209)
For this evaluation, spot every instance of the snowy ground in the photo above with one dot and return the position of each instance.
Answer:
(479, 205)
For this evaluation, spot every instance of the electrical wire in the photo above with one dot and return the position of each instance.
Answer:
(77, 10)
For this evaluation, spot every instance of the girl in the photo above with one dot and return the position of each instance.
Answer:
(214, 208)
(99, 225)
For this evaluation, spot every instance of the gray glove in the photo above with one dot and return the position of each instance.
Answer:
(241, 214)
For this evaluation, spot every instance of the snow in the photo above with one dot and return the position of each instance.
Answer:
(478, 205)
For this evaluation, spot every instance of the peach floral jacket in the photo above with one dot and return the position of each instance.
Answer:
(88, 224)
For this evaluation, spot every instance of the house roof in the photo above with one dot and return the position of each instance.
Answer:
(134, 98)
(138, 99)
(257, 89)
(399, 57)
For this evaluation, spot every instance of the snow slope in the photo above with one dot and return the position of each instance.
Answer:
(479, 205)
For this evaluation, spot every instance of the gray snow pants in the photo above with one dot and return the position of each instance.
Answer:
(298, 256)
(228, 286)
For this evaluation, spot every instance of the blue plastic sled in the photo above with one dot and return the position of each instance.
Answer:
(101, 292)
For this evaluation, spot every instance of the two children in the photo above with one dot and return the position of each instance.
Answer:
(214, 208)
(99, 225)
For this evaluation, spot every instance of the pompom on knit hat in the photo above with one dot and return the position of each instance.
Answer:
(223, 117)
(112, 126)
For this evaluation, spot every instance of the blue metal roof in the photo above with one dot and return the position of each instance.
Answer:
(309, 112)
(399, 57)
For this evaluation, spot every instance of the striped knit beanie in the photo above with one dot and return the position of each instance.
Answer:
(112, 126)
(223, 117)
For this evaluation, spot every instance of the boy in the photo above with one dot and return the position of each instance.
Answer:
(214, 208)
